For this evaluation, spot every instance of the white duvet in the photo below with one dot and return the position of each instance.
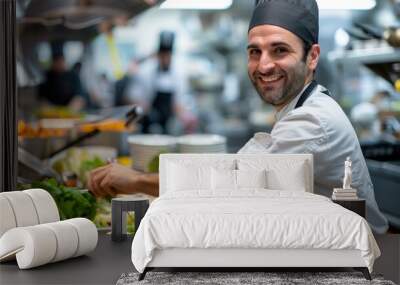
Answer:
(250, 219)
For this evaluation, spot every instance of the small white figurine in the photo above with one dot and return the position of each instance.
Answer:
(347, 174)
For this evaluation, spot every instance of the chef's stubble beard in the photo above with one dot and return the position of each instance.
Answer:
(289, 90)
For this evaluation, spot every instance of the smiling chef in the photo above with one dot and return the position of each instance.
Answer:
(283, 54)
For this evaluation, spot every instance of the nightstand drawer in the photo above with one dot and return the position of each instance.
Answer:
(357, 206)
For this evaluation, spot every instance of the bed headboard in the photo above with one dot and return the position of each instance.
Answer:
(277, 162)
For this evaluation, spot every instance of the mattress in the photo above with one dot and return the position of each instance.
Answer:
(250, 219)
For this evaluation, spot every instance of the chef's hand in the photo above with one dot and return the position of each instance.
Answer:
(112, 179)
(115, 179)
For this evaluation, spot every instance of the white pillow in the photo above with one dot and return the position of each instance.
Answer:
(225, 179)
(186, 174)
(277, 180)
(183, 178)
(281, 174)
(251, 178)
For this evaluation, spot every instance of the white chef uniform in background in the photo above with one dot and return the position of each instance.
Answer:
(149, 79)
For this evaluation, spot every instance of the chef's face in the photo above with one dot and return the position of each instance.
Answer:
(276, 64)
(59, 64)
(164, 58)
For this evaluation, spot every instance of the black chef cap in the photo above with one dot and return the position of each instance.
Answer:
(57, 49)
(167, 39)
(297, 16)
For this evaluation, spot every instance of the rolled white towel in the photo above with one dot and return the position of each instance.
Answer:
(23, 208)
(87, 235)
(40, 244)
(33, 246)
(67, 240)
(45, 205)
(7, 218)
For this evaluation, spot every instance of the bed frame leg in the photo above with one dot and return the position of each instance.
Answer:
(143, 274)
(364, 271)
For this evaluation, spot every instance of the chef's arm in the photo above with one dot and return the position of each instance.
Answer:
(114, 179)
(149, 184)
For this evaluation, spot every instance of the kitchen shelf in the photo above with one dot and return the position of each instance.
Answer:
(366, 56)
(383, 61)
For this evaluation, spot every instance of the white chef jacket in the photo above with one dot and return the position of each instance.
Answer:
(149, 79)
(320, 127)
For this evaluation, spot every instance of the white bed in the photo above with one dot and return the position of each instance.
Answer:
(241, 211)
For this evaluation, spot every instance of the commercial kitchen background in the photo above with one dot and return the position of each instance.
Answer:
(105, 41)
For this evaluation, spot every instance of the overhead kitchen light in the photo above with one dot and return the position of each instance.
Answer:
(197, 4)
(346, 4)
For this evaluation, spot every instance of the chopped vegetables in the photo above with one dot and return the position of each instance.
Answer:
(79, 162)
(110, 125)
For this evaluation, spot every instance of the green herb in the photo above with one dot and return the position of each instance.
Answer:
(70, 201)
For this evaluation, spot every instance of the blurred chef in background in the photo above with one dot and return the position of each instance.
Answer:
(61, 87)
(375, 120)
(160, 87)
